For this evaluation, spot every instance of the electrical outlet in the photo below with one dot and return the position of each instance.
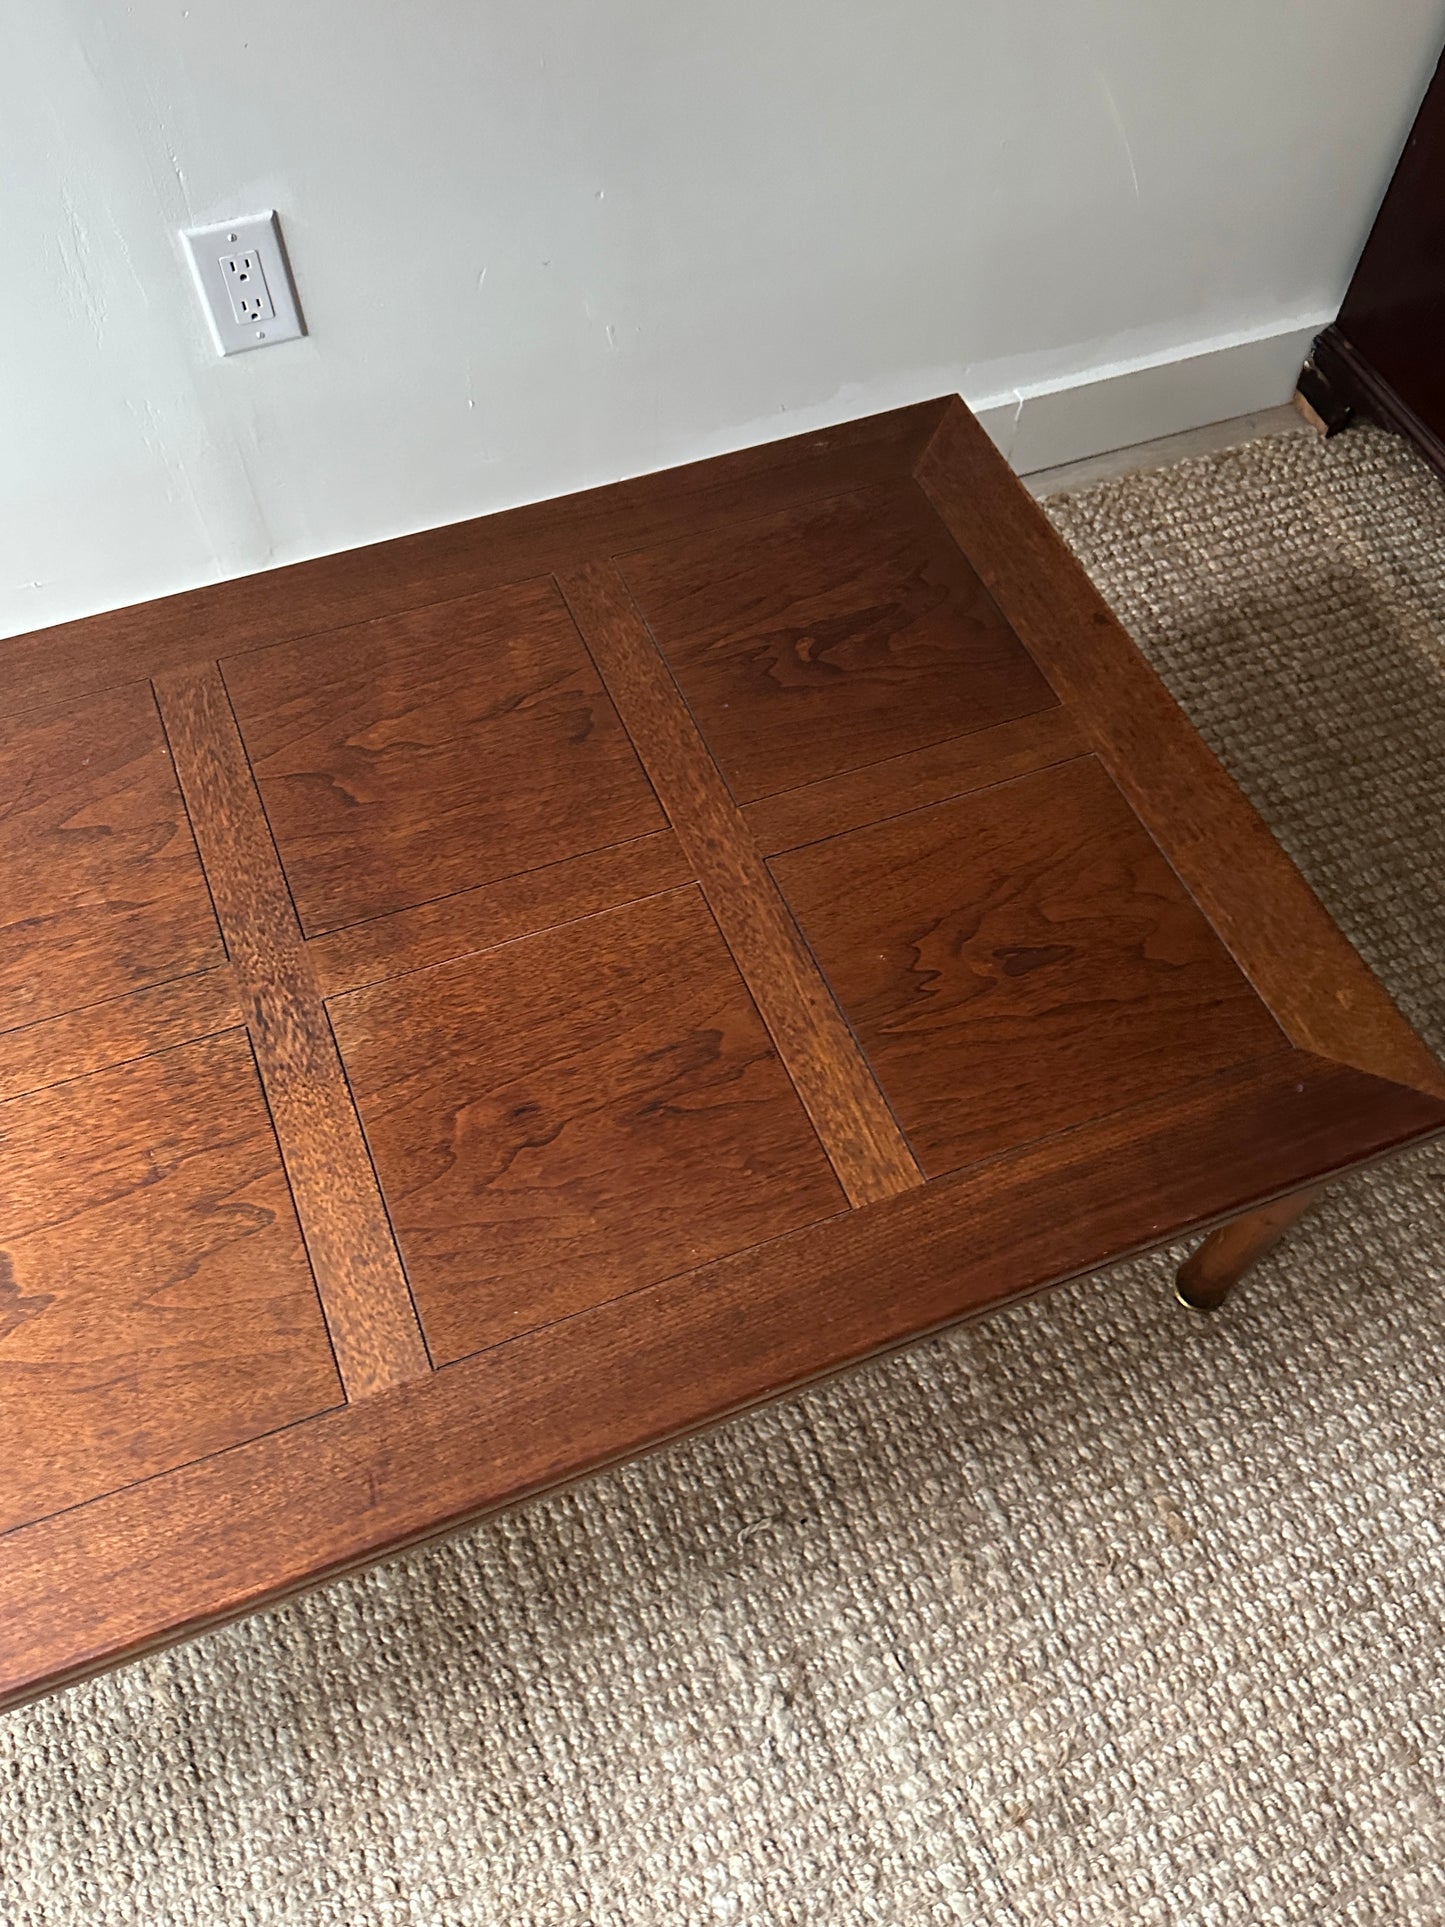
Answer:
(244, 282)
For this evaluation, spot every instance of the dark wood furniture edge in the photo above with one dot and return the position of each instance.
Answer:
(1354, 387)
(438, 565)
(1320, 990)
(255, 1524)
(1379, 360)
(853, 1119)
(358, 1270)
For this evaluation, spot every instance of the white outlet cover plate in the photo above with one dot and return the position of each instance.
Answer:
(230, 295)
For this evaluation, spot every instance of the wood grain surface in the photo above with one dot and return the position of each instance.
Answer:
(829, 637)
(252, 1525)
(571, 910)
(100, 889)
(929, 775)
(1277, 929)
(515, 906)
(99, 1035)
(407, 759)
(155, 1300)
(1016, 961)
(369, 1311)
(574, 1116)
(858, 1131)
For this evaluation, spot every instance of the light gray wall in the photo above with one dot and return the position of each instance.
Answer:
(545, 243)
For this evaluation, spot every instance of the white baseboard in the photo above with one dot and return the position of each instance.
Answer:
(1119, 405)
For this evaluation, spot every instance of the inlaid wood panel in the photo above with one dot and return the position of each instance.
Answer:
(849, 1112)
(1019, 960)
(1321, 990)
(155, 1301)
(574, 1115)
(125, 1574)
(829, 637)
(96, 1036)
(100, 889)
(515, 906)
(369, 1314)
(928, 775)
(850, 938)
(405, 759)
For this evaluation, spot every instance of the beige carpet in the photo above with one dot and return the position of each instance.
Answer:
(1097, 1612)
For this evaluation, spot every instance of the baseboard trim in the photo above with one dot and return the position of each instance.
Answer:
(1212, 439)
(1120, 405)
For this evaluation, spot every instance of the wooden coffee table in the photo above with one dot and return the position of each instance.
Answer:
(481, 1005)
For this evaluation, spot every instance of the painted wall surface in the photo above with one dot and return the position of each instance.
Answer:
(546, 245)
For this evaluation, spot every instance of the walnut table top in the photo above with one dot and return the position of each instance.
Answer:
(478, 1006)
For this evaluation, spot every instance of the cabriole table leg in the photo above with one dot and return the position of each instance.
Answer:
(1206, 1279)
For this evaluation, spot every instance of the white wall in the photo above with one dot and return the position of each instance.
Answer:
(545, 243)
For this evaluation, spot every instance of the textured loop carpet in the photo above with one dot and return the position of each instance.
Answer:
(1096, 1612)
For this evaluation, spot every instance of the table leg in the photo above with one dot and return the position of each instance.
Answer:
(1206, 1279)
